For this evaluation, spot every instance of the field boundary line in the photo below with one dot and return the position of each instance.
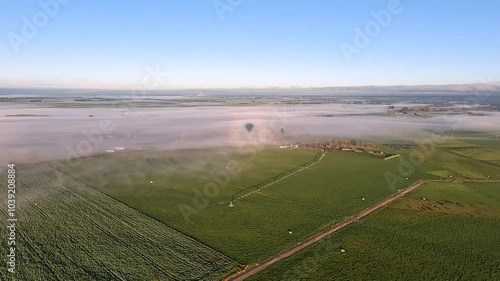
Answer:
(315, 238)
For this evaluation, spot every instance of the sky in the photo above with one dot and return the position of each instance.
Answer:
(247, 43)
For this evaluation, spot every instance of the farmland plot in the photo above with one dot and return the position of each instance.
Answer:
(259, 225)
(68, 231)
(403, 242)
(465, 166)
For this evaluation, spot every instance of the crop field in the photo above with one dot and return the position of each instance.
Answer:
(469, 199)
(172, 187)
(495, 162)
(412, 239)
(467, 160)
(492, 144)
(479, 153)
(469, 134)
(442, 174)
(455, 143)
(68, 231)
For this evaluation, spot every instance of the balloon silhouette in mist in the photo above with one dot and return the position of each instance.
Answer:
(249, 127)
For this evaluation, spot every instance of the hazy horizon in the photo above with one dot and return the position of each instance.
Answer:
(487, 86)
(55, 133)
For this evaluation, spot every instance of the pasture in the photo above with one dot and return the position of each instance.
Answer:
(467, 199)
(469, 134)
(492, 144)
(404, 242)
(467, 160)
(171, 186)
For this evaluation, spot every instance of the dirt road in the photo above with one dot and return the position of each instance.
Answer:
(254, 270)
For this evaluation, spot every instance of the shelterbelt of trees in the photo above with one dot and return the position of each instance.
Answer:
(344, 143)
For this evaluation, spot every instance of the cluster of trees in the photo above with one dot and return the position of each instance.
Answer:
(344, 143)
(351, 143)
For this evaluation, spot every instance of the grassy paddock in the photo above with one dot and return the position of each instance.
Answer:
(469, 199)
(467, 160)
(257, 226)
(492, 144)
(401, 242)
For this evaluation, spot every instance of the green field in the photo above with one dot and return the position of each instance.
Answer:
(493, 144)
(469, 134)
(191, 190)
(445, 174)
(470, 199)
(479, 153)
(257, 226)
(68, 231)
(467, 160)
(412, 239)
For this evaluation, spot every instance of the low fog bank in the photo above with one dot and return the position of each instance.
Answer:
(45, 134)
